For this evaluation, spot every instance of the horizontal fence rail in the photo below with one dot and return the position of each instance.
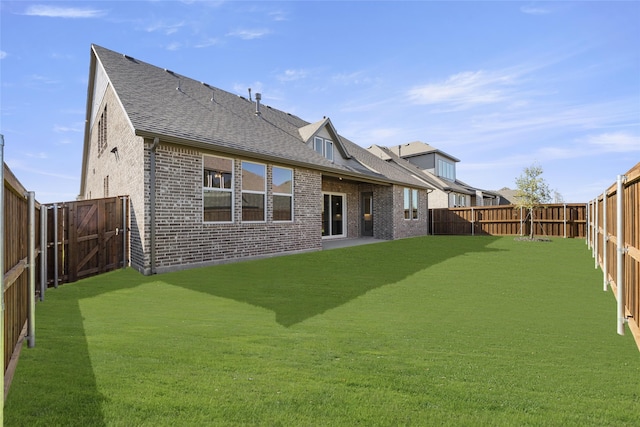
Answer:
(614, 238)
(551, 220)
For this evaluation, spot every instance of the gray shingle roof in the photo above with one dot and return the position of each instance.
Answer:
(166, 104)
(387, 154)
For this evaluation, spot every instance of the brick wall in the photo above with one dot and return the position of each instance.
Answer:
(409, 228)
(183, 239)
(125, 172)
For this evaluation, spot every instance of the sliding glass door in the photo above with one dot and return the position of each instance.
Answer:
(333, 215)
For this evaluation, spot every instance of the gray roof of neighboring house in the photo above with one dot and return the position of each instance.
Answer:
(417, 148)
(178, 109)
(387, 154)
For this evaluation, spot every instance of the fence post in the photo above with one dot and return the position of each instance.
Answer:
(595, 232)
(588, 224)
(124, 231)
(31, 334)
(2, 237)
(55, 245)
(621, 251)
(43, 250)
(473, 222)
(605, 239)
(564, 216)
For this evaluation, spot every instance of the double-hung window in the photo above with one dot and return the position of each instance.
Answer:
(324, 147)
(410, 203)
(217, 189)
(254, 191)
(282, 185)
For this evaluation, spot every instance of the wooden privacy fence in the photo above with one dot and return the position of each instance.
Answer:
(46, 245)
(614, 237)
(552, 220)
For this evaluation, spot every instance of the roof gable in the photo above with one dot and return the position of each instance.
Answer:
(311, 130)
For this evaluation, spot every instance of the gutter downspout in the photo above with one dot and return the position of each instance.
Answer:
(152, 204)
(429, 217)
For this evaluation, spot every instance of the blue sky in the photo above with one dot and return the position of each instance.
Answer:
(499, 85)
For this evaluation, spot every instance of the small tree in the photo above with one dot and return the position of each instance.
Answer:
(532, 190)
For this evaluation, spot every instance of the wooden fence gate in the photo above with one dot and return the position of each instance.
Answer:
(85, 238)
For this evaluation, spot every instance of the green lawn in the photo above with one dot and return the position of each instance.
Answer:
(426, 331)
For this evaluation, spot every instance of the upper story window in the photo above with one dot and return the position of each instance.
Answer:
(102, 132)
(410, 203)
(217, 188)
(446, 170)
(324, 147)
(282, 185)
(254, 191)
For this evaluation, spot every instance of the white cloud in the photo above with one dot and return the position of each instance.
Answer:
(278, 15)
(616, 142)
(208, 42)
(249, 34)
(167, 29)
(532, 10)
(356, 77)
(174, 46)
(63, 12)
(3, 54)
(465, 90)
(291, 75)
(62, 129)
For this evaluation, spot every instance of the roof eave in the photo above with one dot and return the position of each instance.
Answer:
(270, 158)
(87, 121)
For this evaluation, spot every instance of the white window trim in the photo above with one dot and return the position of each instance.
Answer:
(284, 194)
(327, 146)
(226, 190)
(411, 192)
(264, 192)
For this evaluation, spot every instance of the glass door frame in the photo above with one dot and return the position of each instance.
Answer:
(343, 215)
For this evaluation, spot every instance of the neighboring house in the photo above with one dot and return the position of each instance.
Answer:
(507, 196)
(439, 171)
(214, 177)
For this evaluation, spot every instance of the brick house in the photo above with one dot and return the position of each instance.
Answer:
(214, 177)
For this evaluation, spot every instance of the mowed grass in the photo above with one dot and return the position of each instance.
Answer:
(437, 330)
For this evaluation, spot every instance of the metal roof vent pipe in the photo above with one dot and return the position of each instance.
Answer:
(258, 98)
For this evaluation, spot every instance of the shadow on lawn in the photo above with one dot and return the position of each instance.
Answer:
(295, 288)
(299, 287)
(56, 377)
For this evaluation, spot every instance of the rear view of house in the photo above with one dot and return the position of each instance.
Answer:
(213, 176)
